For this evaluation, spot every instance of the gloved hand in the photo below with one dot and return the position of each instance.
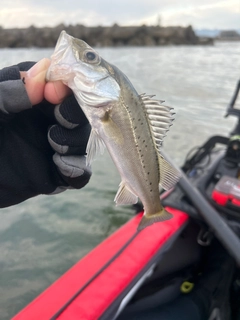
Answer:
(41, 147)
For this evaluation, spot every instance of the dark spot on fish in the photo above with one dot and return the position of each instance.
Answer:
(151, 190)
(148, 172)
(142, 123)
(150, 183)
(143, 141)
(105, 118)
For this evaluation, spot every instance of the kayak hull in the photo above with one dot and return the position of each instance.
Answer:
(107, 273)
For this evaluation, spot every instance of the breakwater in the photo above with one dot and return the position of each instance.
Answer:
(101, 36)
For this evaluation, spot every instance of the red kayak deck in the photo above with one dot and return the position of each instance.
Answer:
(87, 289)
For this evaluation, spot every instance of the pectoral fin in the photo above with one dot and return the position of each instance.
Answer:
(95, 146)
(125, 196)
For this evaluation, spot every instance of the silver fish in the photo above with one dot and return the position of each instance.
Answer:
(130, 125)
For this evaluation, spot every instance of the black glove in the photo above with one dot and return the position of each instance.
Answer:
(29, 164)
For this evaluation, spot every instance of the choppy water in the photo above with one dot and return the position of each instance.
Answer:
(43, 237)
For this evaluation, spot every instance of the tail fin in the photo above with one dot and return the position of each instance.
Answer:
(147, 220)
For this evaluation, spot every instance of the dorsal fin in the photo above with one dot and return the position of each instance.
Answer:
(169, 176)
(160, 118)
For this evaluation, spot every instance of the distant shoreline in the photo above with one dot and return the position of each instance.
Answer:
(114, 36)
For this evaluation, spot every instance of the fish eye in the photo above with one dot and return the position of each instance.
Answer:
(91, 57)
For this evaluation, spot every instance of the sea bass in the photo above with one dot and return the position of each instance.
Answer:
(131, 126)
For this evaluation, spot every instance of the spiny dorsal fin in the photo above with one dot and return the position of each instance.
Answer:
(160, 118)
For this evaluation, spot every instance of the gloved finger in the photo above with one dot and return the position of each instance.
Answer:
(26, 65)
(69, 114)
(65, 141)
(73, 169)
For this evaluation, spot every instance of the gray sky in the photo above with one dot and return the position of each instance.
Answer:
(199, 13)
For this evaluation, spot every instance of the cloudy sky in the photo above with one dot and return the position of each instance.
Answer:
(199, 13)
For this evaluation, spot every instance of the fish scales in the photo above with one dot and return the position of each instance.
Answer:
(130, 125)
(143, 162)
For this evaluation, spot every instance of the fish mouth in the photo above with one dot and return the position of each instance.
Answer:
(64, 72)
(95, 92)
(89, 89)
(57, 72)
(91, 83)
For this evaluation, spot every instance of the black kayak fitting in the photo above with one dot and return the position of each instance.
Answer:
(218, 225)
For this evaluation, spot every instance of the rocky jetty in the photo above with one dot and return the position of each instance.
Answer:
(229, 35)
(101, 36)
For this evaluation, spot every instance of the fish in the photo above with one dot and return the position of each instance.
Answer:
(130, 125)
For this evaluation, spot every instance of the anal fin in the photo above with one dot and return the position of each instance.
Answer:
(125, 196)
(148, 220)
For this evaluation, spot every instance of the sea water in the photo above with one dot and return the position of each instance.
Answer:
(43, 237)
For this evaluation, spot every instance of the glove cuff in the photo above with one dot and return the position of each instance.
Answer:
(13, 97)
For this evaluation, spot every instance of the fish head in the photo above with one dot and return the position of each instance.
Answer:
(82, 69)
